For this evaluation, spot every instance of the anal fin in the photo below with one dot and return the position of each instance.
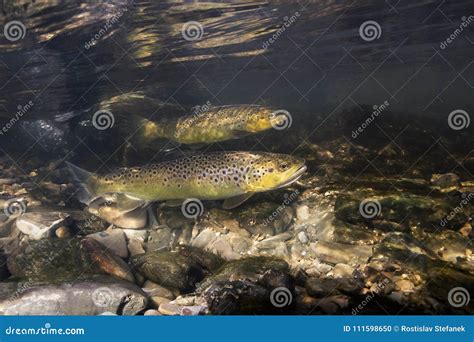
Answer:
(234, 202)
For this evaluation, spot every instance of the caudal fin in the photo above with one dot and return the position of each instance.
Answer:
(82, 179)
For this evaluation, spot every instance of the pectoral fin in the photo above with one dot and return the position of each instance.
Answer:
(234, 202)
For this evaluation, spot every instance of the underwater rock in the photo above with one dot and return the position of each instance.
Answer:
(264, 218)
(443, 280)
(445, 181)
(323, 287)
(113, 239)
(335, 253)
(153, 289)
(56, 259)
(180, 269)
(92, 296)
(447, 244)
(160, 238)
(354, 234)
(4, 272)
(252, 285)
(410, 210)
(93, 252)
(39, 225)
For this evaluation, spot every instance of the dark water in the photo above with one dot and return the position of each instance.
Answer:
(381, 112)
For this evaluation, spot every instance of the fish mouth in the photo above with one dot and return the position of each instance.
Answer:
(297, 175)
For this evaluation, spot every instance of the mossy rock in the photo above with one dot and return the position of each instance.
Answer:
(180, 269)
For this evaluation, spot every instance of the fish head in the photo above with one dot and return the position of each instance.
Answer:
(259, 119)
(272, 171)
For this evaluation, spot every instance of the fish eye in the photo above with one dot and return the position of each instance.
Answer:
(284, 166)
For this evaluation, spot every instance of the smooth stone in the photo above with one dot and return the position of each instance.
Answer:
(136, 234)
(342, 271)
(302, 237)
(64, 232)
(222, 247)
(7, 181)
(194, 310)
(404, 285)
(151, 312)
(302, 212)
(153, 289)
(91, 296)
(445, 180)
(205, 238)
(135, 247)
(105, 259)
(336, 253)
(170, 309)
(189, 301)
(159, 239)
(39, 225)
(113, 239)
(157, 300)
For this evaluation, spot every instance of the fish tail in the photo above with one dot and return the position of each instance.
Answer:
(85, 183)
(146, 130)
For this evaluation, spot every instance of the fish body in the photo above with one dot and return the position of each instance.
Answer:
(210, 176)
(212, 124)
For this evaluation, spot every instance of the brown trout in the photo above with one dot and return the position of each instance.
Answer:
(212, 176)
(206, 125)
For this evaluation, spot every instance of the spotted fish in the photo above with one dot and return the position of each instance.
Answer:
(206, 125)
(233, 176)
